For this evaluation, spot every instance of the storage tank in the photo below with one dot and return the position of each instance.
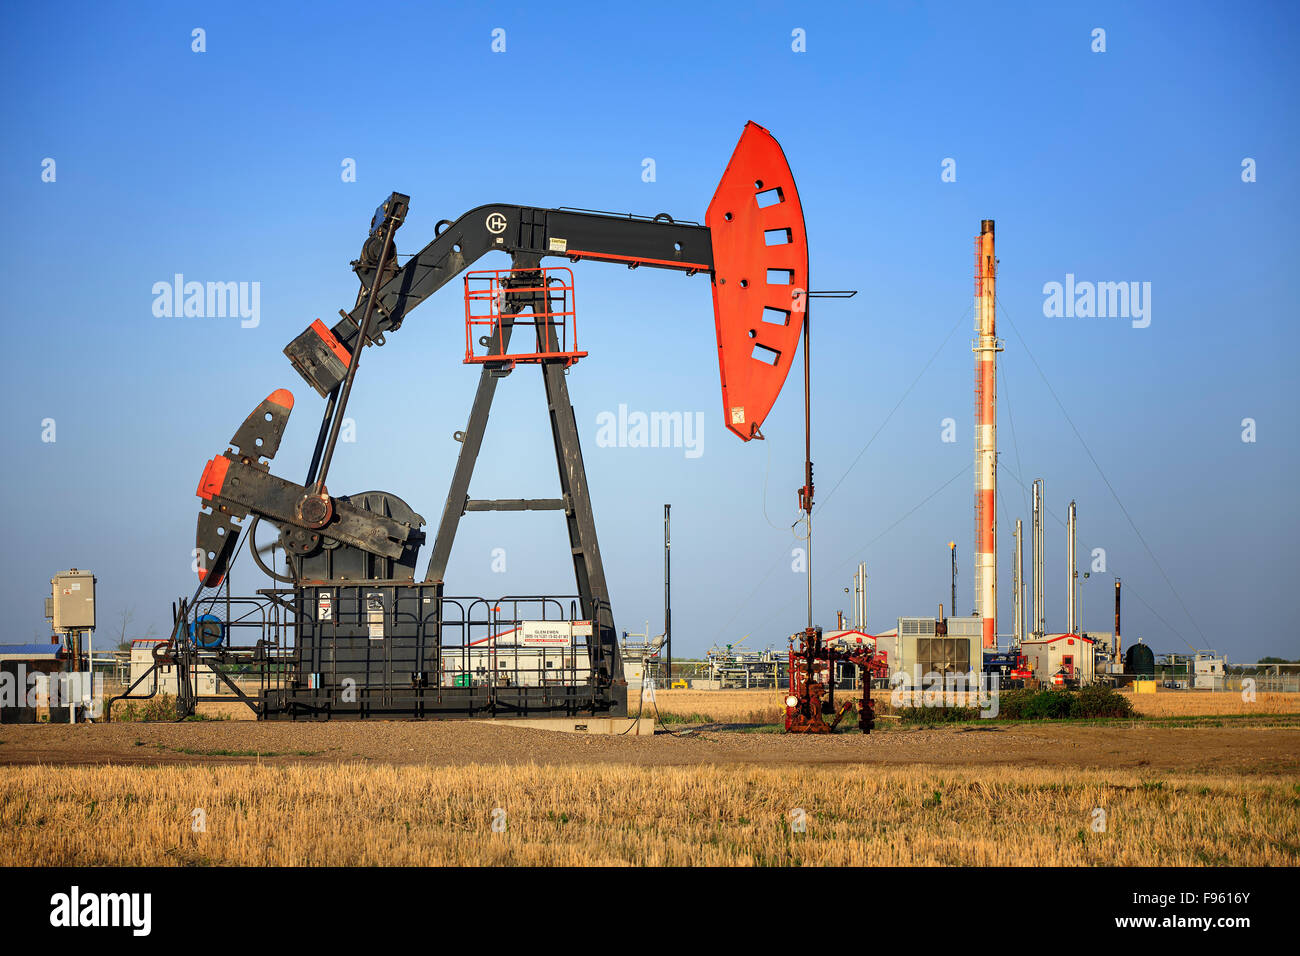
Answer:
(1140, 661)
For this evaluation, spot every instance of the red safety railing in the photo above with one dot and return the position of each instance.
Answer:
(548, 315)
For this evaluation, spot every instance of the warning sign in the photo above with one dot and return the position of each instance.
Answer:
(546, 633)
(375, 615)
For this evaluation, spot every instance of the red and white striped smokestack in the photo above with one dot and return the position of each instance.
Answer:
(986, 435)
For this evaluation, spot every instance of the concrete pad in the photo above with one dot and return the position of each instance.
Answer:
(613, 726)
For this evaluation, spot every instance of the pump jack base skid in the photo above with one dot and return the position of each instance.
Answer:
(445, 703)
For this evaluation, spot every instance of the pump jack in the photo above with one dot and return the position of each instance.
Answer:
(358, 612)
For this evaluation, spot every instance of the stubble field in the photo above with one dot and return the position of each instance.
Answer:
(1149, 792)
(603, 814)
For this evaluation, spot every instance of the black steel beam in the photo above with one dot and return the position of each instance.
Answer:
(517, 504)
(593, 592)
(658, 243)
(524, 230)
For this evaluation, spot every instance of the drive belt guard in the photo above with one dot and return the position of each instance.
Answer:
(760, 278)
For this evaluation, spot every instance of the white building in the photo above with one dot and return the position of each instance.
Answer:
(916, 648)
(1209, 672)
(1069, 655)
(142, 659)
(535, 654)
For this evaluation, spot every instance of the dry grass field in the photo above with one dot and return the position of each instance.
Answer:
(765, 706)
(718, 706)
(1188, 703)
(1222, 792)
(602, 814)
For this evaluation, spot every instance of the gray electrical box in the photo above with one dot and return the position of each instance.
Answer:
(73, 596)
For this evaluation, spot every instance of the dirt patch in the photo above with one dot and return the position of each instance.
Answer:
(455, 743)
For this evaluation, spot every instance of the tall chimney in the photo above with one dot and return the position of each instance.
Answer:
(1115, 640)
(1040, 620)
(1071, 517)
(986, 435)
(952, 556)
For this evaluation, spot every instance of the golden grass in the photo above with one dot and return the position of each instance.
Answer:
(758, 706)
(719, 706)
(856, 815)
(765, 706)
(1189, 703)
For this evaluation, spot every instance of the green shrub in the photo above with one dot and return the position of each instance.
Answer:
(1090, 702)
(1048, 705)
(1100, 701)
(1011, 703)
(159, 708)
(938, 715)
(669, 717)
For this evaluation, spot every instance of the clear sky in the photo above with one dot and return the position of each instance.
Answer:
(1122, 165)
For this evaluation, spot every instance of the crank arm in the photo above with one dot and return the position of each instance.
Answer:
(240, 487)
(239, 481)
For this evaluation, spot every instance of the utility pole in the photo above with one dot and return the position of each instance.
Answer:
(668, 602)
(806, 492)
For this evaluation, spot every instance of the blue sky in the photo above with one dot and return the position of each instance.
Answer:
(1115, 166)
